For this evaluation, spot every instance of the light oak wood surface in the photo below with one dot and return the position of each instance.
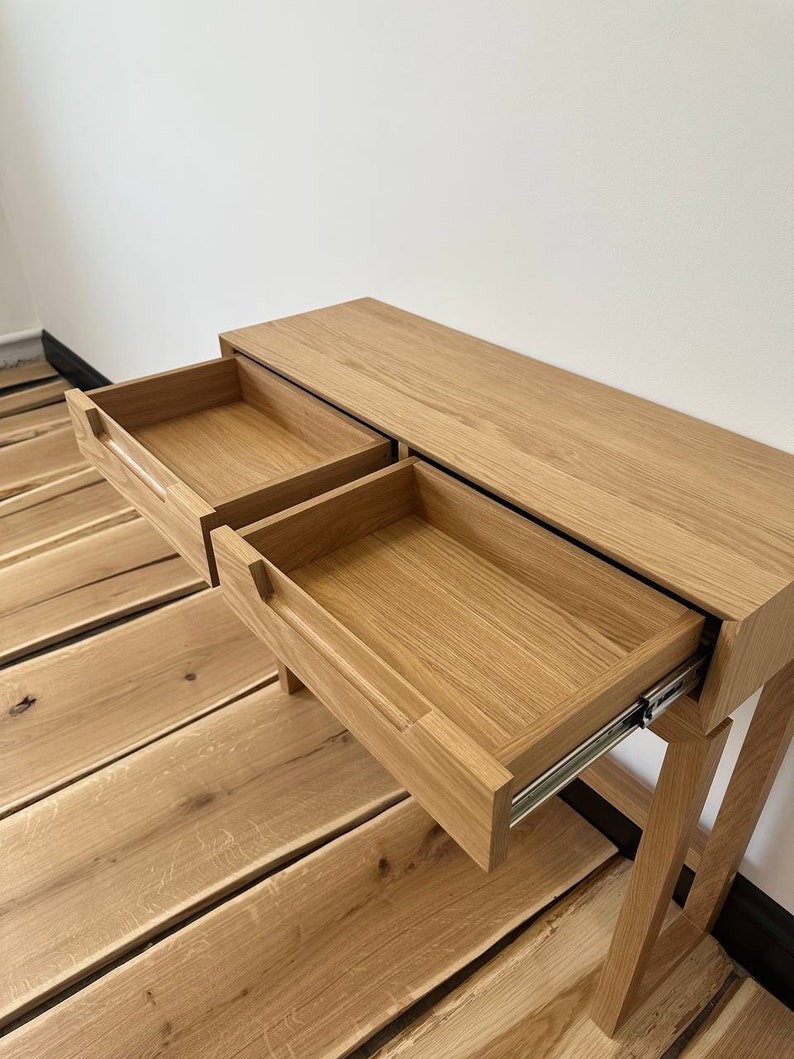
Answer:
(687, 773)
(459, 621)
(99, 867)
(224, 442)
(71, 711)
(749, 1024)
(79, 586)
(60, 520)
(762, 753)
(32, 463)
(28, 371)
(26, 425)
(32, 498)
(321, 955)
(696, 509)
(464, 789)
(531, 999)
(43, 393)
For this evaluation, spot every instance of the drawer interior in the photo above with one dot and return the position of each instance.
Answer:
(451, 603)
(227, 426)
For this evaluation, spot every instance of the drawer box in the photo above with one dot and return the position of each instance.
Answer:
(219, 443)
(467, 647)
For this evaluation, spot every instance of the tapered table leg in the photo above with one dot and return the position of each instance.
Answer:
(762, 753)
(687, 774)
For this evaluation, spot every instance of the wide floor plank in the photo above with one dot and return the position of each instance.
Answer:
(32, 463)
(75, 709)
(104, 864)
(28, 371)
(312, 961)
(33, 396)
(532, 999)
(26, 425)
(84, 584)
(57, 487)
(61, 519)
(750, 1024)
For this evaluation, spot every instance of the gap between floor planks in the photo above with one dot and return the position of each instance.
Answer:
(32, 463)
(34, 396)
(31, 498)
(72, 710)
(748, 1023)
(32, 424)
(84, 584)
(106, 863)
(60, 520)
(321, 955)
(533, 998)
(26, 372)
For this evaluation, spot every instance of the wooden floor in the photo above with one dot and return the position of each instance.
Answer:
(195, 864)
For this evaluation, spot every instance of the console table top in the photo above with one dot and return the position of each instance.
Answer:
(706, 513)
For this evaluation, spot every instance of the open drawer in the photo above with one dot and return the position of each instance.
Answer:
(219, 443)
(468, 648)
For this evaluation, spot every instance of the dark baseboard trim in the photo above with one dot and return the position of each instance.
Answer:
(68, 364)
(754, 930)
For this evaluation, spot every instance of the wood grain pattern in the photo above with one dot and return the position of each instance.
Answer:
(760, 758)
(459, 620)
(33, 397)
(747, 655)
(750, 1024)
(28, 371)
(694, 508)
(32, 463)
(633, 798)
(106, 863)
(698, 509)
(531, 999)
(26, 425)
(463, 788)
(318, 957)
(84, 584)
(224, 442)
(32, 498)
(60, 520)
(77, 708)
(687, 773)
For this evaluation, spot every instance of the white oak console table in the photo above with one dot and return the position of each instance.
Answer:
(491, 570)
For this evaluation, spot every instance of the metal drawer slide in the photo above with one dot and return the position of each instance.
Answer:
(640, 714)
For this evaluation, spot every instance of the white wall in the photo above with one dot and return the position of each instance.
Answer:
(604, 185)
(17, 311)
